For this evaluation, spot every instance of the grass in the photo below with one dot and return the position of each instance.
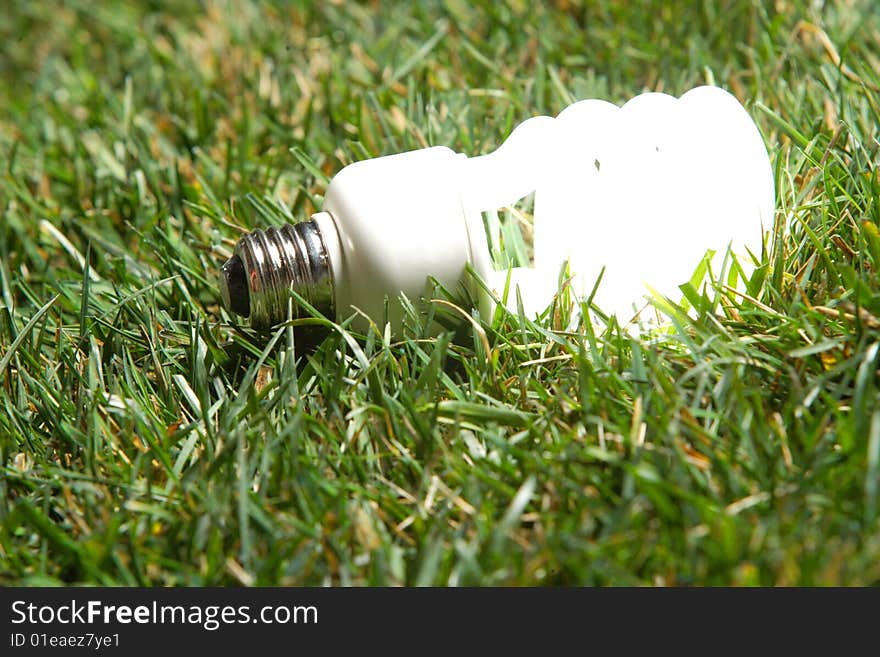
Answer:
(146, 440)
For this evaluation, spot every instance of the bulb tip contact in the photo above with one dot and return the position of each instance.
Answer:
(234, 287)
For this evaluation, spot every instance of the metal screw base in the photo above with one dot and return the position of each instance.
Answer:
(256, 281)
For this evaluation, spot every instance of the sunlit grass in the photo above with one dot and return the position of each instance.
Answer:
(147, 439)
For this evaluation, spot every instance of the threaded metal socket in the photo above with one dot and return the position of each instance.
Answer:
(266, 264)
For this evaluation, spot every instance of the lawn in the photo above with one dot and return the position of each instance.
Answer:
(147, 438)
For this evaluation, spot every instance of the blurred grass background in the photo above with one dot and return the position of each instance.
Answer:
(146, 440)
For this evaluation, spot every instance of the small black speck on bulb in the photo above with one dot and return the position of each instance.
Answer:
(234, 287)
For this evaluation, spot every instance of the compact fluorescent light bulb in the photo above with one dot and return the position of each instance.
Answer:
(642, 190)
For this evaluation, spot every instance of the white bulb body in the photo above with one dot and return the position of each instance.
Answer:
(642, 190)
(645, 190)
(396, 224)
